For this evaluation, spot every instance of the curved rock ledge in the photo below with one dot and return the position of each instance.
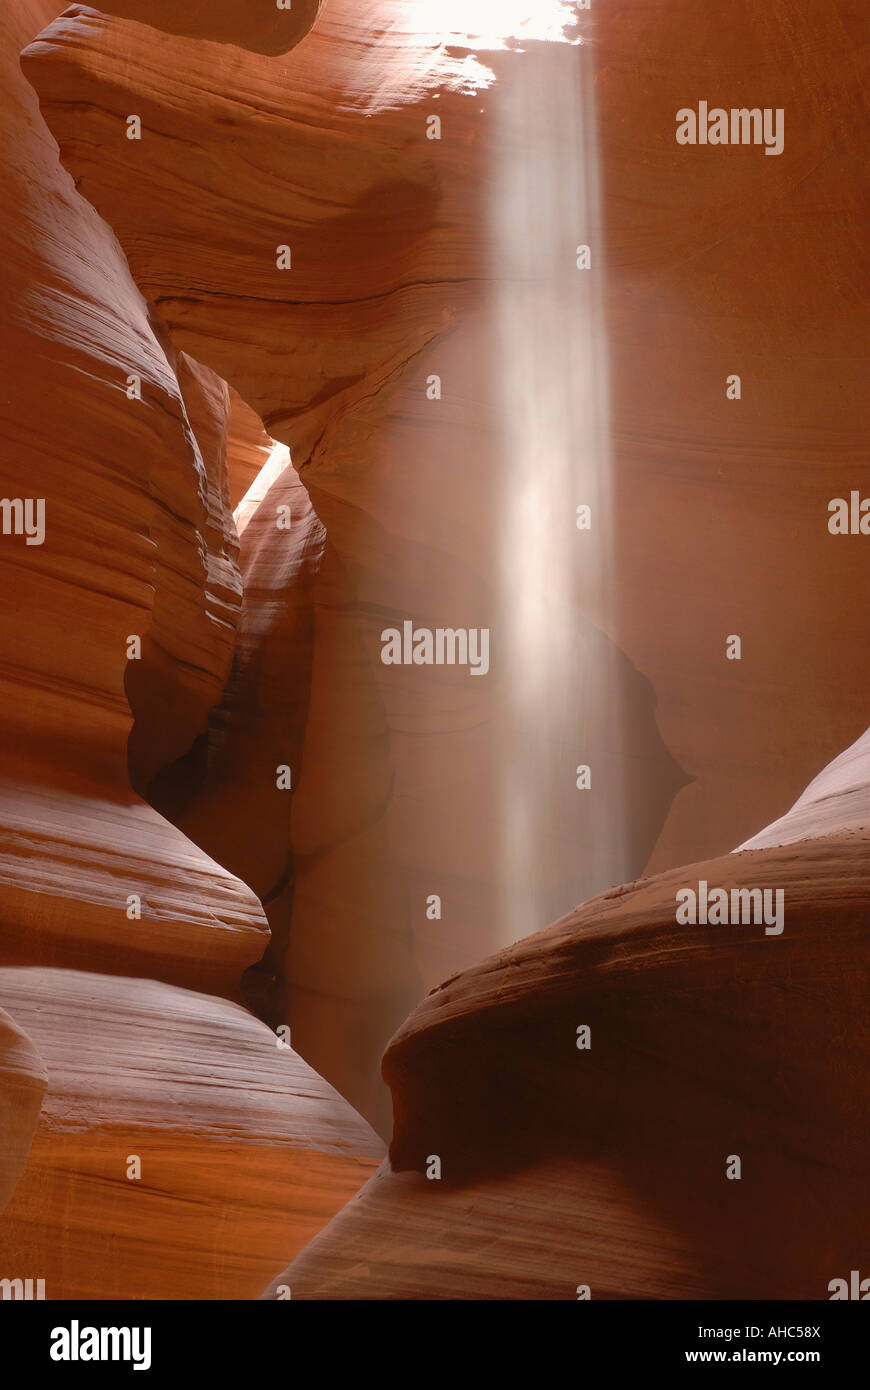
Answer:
(244, 1151)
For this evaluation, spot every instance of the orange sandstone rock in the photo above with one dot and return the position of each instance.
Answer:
(23, 1080)
(139, 546)
(606, 1158)
(243, 1151)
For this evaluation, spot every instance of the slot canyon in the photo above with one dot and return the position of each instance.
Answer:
(359, 977)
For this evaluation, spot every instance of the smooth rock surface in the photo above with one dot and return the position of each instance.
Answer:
(140, 542)
(607, 1166)
(837, 802)
(263, 26)
(245, 1152)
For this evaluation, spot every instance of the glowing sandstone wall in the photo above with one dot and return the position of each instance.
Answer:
(122, 942)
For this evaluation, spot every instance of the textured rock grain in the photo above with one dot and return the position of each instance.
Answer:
(245, 1152)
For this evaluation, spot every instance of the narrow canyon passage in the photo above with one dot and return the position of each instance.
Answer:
(371, 359)
(433, 813)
